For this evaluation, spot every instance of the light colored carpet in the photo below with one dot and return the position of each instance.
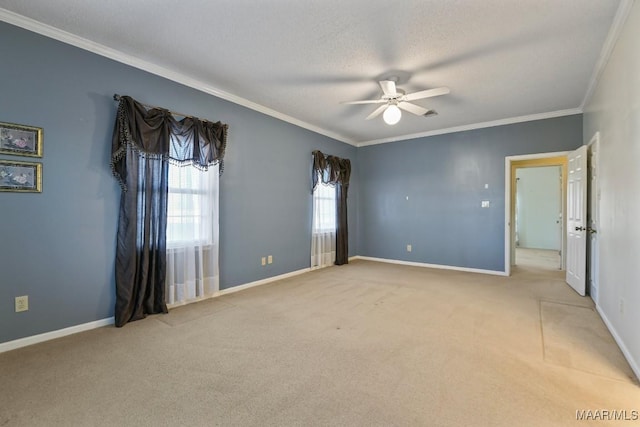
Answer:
(567, 329)
(539, 258)
(188, 313)
(366, 344)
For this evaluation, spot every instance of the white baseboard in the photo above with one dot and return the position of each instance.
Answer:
(261, 282)
(47, 336)
(240, 287)
(438, 266)
(627, 354)
(23, 342)
(35, 339)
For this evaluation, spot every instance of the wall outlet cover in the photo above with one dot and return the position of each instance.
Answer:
(22, 303)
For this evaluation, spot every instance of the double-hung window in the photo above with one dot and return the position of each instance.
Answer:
(189, 207)
(192, 233)
(323, 232)
(324, 203)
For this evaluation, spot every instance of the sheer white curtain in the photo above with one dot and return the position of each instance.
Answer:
(323, 231)
(192, 234)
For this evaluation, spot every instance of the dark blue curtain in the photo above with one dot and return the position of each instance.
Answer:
(144, 142)
(141, 247)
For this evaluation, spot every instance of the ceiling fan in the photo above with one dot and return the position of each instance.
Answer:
(394, 100)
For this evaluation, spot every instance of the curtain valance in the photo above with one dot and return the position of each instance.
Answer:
(330, 170)
(156, 133)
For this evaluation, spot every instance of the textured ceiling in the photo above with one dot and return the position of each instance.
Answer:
(502, 59)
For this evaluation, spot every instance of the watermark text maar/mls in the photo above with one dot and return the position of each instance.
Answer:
(607, 415)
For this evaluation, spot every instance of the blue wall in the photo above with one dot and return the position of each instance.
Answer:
(58, 247)
(444, 178)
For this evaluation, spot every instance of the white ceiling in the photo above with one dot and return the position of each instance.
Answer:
(504, 60)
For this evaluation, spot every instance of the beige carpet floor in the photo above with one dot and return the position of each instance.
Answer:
(568, 328)
(540, 258)
(367, 344)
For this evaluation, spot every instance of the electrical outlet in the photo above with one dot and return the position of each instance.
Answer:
(22, 303)
(270, 259)
(264, 261)
(485, 204)
(409, 248)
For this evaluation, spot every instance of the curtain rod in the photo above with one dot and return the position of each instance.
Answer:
(117, 97)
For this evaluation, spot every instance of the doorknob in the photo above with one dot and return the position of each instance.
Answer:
(580, 228)
(591, 230)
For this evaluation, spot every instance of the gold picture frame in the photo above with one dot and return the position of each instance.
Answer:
(20, 177)
(21, 140)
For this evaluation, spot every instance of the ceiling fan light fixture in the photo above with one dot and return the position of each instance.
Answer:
(392, 115)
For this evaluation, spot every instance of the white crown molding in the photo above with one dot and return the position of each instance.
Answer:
(99, 49)
(614, 32)
(82, 43)
(501, 122)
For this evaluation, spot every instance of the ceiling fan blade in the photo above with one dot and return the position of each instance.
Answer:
(412, 108)
(377, 112)
(427, 93)
(388, 87)
(366, 101)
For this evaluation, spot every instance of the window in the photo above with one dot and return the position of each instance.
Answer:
(324, 208)
(193, 198)
(323, 232)
(192, 234)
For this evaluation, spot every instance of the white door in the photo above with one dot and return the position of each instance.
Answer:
(593, 215)
(577, 220)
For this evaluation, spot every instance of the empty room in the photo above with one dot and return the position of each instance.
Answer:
(289, 213)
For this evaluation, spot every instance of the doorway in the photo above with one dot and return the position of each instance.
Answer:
(512, 240)
(538, 217)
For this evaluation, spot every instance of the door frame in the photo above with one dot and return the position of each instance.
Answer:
(528, 160)
(591, 183)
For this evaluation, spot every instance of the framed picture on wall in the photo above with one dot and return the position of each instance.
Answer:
(23, 177)
(20, 140)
